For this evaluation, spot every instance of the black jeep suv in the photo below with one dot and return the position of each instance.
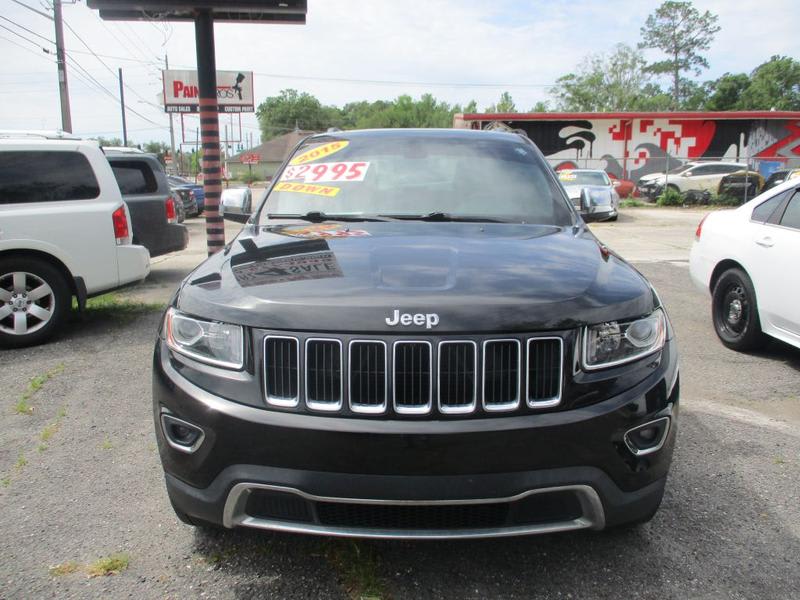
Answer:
(416, 336)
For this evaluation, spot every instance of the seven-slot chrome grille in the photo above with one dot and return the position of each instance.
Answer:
(412, 376)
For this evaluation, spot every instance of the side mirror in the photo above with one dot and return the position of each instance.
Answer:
(586, 201)
(237, 217)
(686, 174)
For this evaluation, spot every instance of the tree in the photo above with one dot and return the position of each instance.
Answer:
(681, 32)
(540, 106)
(290, 109)
(608, 82)
(773, 84)
(504, 105)
(726, 92)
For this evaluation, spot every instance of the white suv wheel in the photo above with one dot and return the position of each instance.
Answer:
(27, 303)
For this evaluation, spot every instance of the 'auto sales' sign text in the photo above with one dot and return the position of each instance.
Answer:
(234, 91)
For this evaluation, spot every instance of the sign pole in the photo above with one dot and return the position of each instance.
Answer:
(209, 128)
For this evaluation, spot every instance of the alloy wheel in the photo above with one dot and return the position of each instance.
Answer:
(27, 303)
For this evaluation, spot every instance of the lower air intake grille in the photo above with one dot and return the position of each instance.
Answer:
(280, 370)
(368, 377)
(412, 377)
(324, 374)
(457, 372)
(501, 368)
(544, 371)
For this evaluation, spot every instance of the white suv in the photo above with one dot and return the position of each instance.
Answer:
(64, 232)
(689, 177)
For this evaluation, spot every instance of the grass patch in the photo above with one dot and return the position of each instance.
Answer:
(631, 203)
(21, 462)
(110, 565)
(23, 407)
(49, 431)
(358, 567)
(106, 445)
(64, 569)
(41, 447)
(670, 197)
(5, 481)
(117, 307)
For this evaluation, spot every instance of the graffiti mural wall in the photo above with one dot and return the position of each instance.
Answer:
(628, 148)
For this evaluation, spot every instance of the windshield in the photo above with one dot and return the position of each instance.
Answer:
(583, 178)
(416, 175)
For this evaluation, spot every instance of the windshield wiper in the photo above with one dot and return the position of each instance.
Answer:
(442, 217)
(316, 216)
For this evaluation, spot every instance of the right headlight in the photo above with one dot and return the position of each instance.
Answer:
(211, 342)
(615, 343)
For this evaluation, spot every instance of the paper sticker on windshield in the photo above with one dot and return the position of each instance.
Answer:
(319, 152)
(324, 230)
(307, 188)
(567, 176)
(326, 171)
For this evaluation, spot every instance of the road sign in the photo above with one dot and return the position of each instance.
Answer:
(251, 158)
(234, 91)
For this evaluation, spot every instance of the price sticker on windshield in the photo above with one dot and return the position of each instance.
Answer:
(567, 176)
(319, 152)
(306, 188)
(326, 172)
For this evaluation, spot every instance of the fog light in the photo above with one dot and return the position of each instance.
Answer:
(647, 438)
(181, 435)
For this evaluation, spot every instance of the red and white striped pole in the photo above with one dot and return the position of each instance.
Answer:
(209, 128)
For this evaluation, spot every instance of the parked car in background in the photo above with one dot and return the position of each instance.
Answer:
(592, 193)
(742, 185)
(236, 201)
(623, 187)
(747, 259)
(152, 206)
(187, 201)
(779, 176)
(692, 176)
(197, 188)
(65, 232)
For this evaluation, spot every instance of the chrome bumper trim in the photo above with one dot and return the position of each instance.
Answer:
(234, 515)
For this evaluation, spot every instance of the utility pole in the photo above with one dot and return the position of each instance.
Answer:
(171, 129)
(61, 61)
(122, 106)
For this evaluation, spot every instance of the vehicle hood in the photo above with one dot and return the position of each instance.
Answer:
(474, 276)
(651, 177)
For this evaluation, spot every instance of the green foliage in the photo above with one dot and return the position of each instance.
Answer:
(291, 109)
(607, 82)
(111, 565)
(670, 197)
(774, 84)
(726, 92)
(724, 200)
(631, 203)
(681, 32)
(504, 105)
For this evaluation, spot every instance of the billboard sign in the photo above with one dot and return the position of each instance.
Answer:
(182, 95)
(250, 159)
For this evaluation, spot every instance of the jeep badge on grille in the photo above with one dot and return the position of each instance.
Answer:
(429, 320)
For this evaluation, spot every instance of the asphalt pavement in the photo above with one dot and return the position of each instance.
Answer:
(80, 480)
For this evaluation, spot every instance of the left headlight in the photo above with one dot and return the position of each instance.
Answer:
(615, 343)
(219, 344)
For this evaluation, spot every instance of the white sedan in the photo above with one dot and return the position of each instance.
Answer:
(749, 259)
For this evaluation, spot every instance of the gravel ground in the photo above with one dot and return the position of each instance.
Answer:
(729, 526)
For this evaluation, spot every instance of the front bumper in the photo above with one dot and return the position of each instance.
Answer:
(365, 477)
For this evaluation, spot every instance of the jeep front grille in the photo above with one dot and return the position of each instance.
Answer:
(457, 376)
(324, 374)
(281, 360)
(368, 384)
(501, 371)
(412, 377)
(408, 377)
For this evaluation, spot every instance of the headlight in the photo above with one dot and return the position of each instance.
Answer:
(614, 343)
(210, 342)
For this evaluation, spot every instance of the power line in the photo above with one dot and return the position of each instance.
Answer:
(398, 82)
(28, 30)
(30, 8)
(10, 41)
(19, 35)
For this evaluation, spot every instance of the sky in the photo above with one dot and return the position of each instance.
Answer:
(457, 50)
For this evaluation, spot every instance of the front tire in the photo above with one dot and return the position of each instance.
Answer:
(734, 311)
(34, 301)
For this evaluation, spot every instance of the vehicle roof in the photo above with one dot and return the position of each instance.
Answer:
(20, 134)
(35, 142)
(429, 133)
(583, 170)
